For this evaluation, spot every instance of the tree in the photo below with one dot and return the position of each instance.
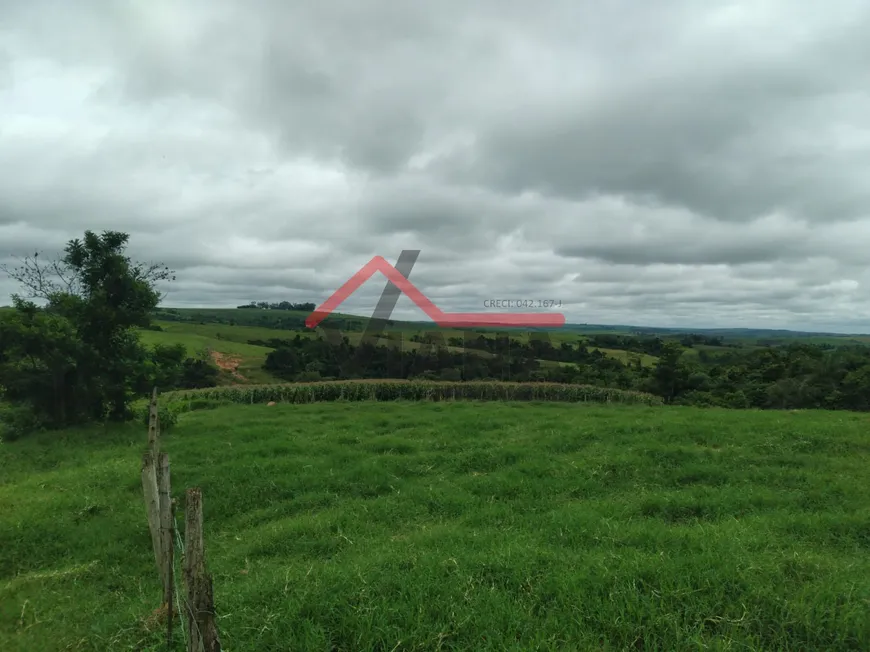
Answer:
(197, 373)
(283, 362)
(77, 357)
(38, 361)
(670, 375)
(856, 389)
(74, 273)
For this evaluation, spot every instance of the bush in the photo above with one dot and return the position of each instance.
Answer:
(17, 421)
(167, 415)
(450, 374)
(197, 373)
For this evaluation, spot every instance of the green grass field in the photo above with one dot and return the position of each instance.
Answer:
(227, 340)
(225, 332)
(455, 526)
(195, 342)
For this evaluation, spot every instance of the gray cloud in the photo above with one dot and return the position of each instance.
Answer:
(681, 163)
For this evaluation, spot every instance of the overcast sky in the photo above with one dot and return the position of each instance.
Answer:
(672, 163)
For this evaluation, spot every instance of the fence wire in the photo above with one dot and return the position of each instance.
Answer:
(179, 547)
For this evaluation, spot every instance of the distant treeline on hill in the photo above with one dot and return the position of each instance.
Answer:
(290, 318)
(281, 305)
(543, 348)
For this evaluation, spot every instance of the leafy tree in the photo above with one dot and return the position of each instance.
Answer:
(77, 357)
(856, 389)
(670, 375)
(283, 362)
(197, 373)
(39, 352)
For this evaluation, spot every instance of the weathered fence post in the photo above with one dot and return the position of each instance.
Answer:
(200, 591)
(166, 532)
(149, 482)
(157, 488)
(152, 504)
(153, 424)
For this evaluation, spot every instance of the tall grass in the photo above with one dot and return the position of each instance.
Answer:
(400, 527)
(391, 390)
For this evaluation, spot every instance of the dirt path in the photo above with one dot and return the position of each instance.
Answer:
(228, 363)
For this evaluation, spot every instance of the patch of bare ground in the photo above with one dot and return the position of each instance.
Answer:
(228, 363)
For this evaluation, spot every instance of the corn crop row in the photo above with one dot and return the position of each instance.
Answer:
(391, 390)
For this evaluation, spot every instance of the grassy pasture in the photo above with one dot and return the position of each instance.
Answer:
(646, 359)
(455, 526)
(227, 340)
(226, 332)
(198, 341)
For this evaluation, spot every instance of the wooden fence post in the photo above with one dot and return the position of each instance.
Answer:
(202, 626)
(152, 505)
(153, 424)
(166, 531)
(157, 488)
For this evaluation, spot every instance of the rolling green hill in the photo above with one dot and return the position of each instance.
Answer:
(291, 320)
(226, 333)
(232, 342)
(241, 362)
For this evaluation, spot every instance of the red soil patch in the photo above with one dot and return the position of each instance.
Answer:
(228, 363)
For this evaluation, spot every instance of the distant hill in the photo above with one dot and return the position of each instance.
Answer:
(295, 319)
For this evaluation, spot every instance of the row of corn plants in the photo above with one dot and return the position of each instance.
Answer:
(414, 390)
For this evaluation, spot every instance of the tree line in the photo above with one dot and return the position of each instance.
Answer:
(280, 305)
(276, 319)
(796, 375)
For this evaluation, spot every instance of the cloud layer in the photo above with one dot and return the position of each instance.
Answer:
(688, 164)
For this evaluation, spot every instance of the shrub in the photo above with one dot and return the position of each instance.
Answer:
(197, 373)
(17, 421)
(167, 414)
